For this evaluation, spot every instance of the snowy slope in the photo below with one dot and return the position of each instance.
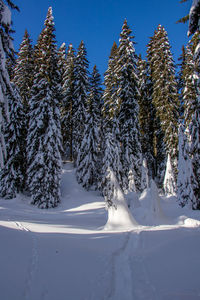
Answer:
(65, 254)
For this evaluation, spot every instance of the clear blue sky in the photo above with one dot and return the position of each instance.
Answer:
(98, 23)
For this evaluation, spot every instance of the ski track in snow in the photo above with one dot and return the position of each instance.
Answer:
(33, 265)
(129, 278)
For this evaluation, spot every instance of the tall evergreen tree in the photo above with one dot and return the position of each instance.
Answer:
(88, 153)
(6, 51)
(194, 126)
(165, 96)
(44, 133)
(111, 162)
(189, 79)
(23, 71)
(129, 111)
(12, 176)
(110, 104)
(186, 179)
(81, 88)
(67, 107)
(180, 79)
(146, 115)
(110, 139)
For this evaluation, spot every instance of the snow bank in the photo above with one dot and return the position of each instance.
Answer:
(151, 212)
(119, 216)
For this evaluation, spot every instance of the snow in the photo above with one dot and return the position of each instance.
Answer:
(66, 253)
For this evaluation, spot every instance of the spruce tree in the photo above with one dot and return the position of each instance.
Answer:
(44, 133)
(194, 129)
(180, 80)
(165, 96)
(6, 51)
(111, 161)
(81, 88)
(189, 80)
(110, 137)
(67, 107)
(129, 112)
(186, 179)
(146, 115)
(23, 71)
(88, 153)
(110, 105)
(13, 174)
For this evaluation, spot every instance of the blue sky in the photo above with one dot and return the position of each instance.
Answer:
(98, 23)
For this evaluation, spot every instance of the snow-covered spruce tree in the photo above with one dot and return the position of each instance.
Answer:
(81, 89)
(111, 161)
(186, 179)
(165, 96)
(88, 154)
(110, 137)
(189, 78)
(194, 129)
(67, 106)
(6, 50)
(62, 60)
(10, 65)
(12, 176)
(146, 116)
(194, 126)
(23, 71)
(110, 104)
(129, 112)
(44, 133)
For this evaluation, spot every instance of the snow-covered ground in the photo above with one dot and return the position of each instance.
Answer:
(66, 254)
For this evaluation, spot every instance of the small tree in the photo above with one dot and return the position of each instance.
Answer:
(169, 180)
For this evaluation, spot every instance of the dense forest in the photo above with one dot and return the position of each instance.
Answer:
(141, 124)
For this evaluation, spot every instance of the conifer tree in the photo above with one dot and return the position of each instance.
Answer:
(88, 153)
(10, 65)
(12, 176)
(6, 51)
(146, 115)
(111, 161)
(81, 88)
(129, 112)
(194, 126)
(23, 71)
(44, 133)
(186, 179)
(62, 60)
(110, 104)
(165, 96)
(110, 139)
(189, 80)
(194, 129)
(180, 80)
(67, 107)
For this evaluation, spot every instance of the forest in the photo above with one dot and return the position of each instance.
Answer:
(140, 125)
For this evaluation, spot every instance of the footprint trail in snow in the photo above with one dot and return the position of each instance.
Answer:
(129, 278)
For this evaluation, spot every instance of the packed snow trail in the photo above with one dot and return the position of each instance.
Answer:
(129, 278)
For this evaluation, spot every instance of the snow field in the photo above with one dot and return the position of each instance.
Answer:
(65, 253)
